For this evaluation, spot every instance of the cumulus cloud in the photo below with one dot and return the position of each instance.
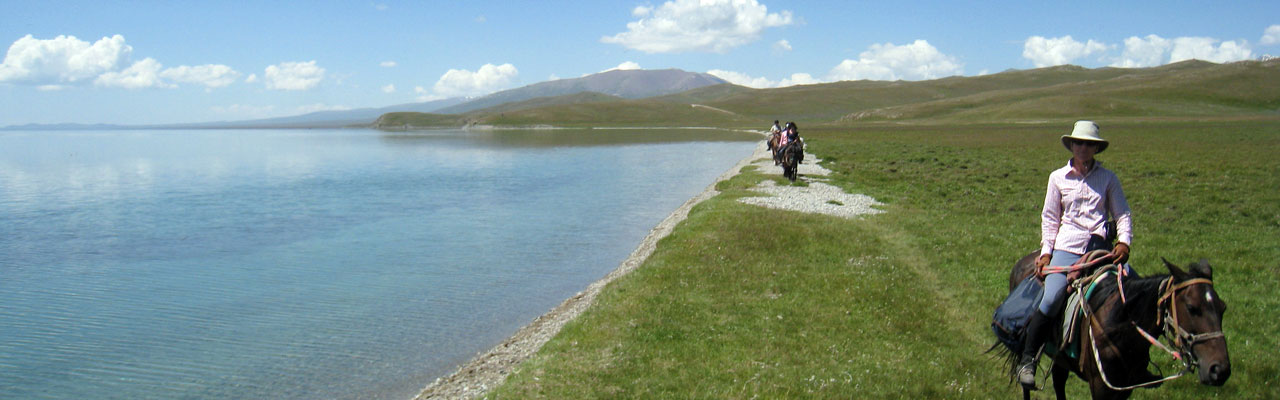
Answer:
(1045, 52)
(389, 89)
(1271, 35)
(782, 45)
(742, 79)
(55, 64)
(293, 76)
(1154, 50)
(388, 64)
(625, 66)
(142, 74)
(697, 25)
(62, 60)
(209, 75)
(916, 61)
(424, 94)
(488, 79)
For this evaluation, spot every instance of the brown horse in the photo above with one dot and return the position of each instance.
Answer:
(774, 139)
(1113, 354)
(790, 156)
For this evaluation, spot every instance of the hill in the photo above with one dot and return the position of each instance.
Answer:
(1188, 90)
(627, 84)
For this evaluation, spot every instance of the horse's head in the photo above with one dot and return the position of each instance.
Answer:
(1196, 318)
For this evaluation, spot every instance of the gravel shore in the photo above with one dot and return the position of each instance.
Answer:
(489, 369)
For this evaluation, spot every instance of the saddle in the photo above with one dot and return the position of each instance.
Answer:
(1081, 290)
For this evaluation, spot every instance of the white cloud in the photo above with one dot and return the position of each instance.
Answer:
(1058, 51)
(425, 95)
(293, 76)
(742, 79)
(251, 79)
(62, 60)
(460, 82)
(625, 66)
(697, 25)
(782, 45)
(389, 89)
(1209, 49)
(209, 75)
(1271, 35)
(1143, 52)
(142, 74)
(916, 61)
(388, 64)
(65, 61)
(1154, 51)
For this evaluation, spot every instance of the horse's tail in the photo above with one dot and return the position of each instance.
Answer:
(1008, 358)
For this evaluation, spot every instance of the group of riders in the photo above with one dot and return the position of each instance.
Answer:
(781, 137)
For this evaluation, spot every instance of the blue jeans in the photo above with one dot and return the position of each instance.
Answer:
(1056, 284)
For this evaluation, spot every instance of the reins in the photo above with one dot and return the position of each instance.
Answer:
(1182, 339)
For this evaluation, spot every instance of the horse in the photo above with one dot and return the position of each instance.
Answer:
(1122, 320)
(791, 155)
(774, 140)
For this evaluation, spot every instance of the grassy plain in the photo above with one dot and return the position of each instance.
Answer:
(742, 302)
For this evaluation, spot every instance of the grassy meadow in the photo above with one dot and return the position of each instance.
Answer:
(743, 302)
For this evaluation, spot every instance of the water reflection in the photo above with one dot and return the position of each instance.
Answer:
(542, 138)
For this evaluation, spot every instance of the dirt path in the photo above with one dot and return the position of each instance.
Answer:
(489, 369)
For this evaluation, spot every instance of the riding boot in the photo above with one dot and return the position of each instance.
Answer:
(1035, 336)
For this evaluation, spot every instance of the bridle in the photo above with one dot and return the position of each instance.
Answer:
(1181, 338)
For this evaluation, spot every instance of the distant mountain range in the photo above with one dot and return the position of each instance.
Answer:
(627, 84)
(1193, 90)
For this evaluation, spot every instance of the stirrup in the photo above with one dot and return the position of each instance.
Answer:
(1028, 370)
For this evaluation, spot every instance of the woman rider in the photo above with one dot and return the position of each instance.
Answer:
(1079, 198)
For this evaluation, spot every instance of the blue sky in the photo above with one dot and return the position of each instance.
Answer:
(167, 62)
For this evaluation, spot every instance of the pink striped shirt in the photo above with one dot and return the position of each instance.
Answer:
(1076, 207)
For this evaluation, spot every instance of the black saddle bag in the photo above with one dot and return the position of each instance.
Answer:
(1010, 319)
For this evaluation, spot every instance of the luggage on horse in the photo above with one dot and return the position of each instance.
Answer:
(1010, 319)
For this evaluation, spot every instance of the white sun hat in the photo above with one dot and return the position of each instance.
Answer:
(1085, 130)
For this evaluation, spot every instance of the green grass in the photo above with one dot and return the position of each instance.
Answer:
(744, 302)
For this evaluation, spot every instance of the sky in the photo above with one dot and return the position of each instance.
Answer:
(155, 62)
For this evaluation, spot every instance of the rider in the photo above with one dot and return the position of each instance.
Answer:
(1073, 223)
(774, 131)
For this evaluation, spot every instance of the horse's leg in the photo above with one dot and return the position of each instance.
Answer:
(1060, 376)
(1100, 390)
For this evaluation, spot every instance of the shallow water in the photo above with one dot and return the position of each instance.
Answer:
(310, 263)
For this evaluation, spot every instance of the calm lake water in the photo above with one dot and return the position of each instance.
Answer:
(310, 264)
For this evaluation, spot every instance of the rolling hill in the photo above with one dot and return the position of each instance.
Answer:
(1189, 89)
(627, 84)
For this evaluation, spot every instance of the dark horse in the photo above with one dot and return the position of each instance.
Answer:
(791, 155)
(1182, 306)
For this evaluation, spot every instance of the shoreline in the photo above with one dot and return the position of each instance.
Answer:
(490, 368)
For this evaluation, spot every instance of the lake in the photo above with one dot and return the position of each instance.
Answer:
(308, 264)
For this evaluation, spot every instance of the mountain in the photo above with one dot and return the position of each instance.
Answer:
(627, 84)
(1185, 90)
(319, 119)
(322, 119)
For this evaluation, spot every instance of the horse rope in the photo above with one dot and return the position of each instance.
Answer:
(1182, 339)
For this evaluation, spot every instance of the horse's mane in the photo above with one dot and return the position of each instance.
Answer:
(1141, 296)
